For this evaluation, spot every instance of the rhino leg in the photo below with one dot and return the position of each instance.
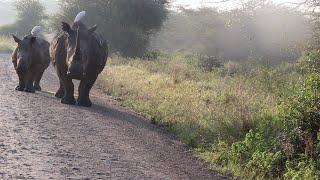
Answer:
(21, 84)
(60, 92)
(37, 79)
(66, 84)
(29, 82)
(84, 91)
(68, 97)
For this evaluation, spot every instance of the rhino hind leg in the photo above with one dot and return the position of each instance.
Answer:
(84, 91)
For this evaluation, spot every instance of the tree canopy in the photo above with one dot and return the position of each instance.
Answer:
(29, 14)
(127, 24)
(238, 35)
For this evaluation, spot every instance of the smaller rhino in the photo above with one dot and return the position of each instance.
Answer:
(30, 59)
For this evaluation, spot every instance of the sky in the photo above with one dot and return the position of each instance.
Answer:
(213, 3)
(7, 14)
(7, 11)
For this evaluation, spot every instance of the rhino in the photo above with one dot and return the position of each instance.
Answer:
(30, 59)
(78, 52)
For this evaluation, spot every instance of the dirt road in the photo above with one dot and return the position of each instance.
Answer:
(40, 138)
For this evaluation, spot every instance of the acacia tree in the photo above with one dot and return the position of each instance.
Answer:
(29, 14)
(127, 24)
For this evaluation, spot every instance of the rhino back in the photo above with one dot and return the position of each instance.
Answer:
(41, 52)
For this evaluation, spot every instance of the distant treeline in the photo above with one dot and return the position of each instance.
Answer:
(268, 33)
(29, 14)
(255, 31)
(128, 25)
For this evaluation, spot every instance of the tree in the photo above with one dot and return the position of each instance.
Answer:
(240, 34)
(29, 14)
(127, 24)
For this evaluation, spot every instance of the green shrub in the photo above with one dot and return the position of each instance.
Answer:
(302, 113)
(274, 149)
(265, 165)
(302, 169)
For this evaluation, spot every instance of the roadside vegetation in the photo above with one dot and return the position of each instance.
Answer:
(6, 44)
(252, 120)
(244, 96)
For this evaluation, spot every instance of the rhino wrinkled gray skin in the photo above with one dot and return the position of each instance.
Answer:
(30, 59)
(78, 53)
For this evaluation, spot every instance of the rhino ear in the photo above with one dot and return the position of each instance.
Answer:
(65, 27)
(17, 40)
(92, 29)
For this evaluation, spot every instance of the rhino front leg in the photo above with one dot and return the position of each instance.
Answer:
(60, 92)
(21, 84)
(29, 82)
(68, 97)
(84, 91)
(67, 85)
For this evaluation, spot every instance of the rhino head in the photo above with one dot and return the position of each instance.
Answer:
(24, 53)
(78, 49)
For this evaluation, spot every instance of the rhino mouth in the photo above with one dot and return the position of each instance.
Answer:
(22, 70)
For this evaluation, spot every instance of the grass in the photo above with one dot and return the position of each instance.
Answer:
(7, 45)
(209, 111)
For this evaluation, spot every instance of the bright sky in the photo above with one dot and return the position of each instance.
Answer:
(7, 13)
(211, 3)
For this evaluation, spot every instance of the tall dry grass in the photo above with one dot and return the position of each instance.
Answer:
(7, 45)
(201, 108)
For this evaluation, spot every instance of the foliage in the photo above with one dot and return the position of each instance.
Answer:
(258, 122)
(302, 169)
(261, 155)
(127, 24)
(303, 112)
(6, 44)
(30, 13)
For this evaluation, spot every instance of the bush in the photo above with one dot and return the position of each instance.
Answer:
(302, 169)
(208, 63)
(302, 113)
(286, 145)
(265, 165)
